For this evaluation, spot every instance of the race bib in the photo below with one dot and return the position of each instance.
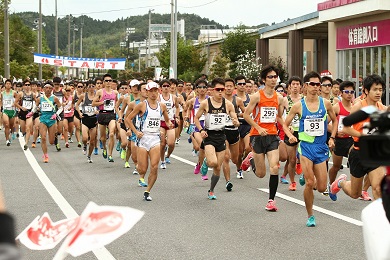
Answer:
(89, 110)
(110, 106)
(341, 126)
(27, 104)
(314, 126)
(152, 125)
(217, 121)
(46, 107)
(229, 121)
(7, 103)
(268, 114)
(295, 121)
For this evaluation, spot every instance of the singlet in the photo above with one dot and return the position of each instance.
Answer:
(313, 124)
(136, 119)
(265, 114)
(215, 118)
(107, 108)
(150, 121)
(195, 110)
(59, 94)
(87, 108)
(8, 100)
(47, 107)
(68, 109)
(343, 113)
(27, 101)
(246, 102)
(170, 106)
(360, 126)
(295, 121)
(229, 121)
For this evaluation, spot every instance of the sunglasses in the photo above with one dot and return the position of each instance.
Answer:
(108, 80)
(201, 86)
(349, 91)
(68, 90)
(272, 76)
(317, 84)
(219, 89)
(80, 86)
(241, 84)
(27, 84)
(165, 86)
(280, 90)
(326, 85)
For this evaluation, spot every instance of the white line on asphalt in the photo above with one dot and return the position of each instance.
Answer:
(62, 203)
(186, 161)
(319, 209)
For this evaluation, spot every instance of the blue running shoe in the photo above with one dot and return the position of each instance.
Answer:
(204, 168)
(38, 140)
(96, 151)
(311, 222)
(211, 195)
(189, 140)
(142, 183)
(302, 180)
(118, 146)
(13, 136)
(283, 180)
(167, 160)
(101, 144)
(331, 195)
(110, 159)
(104, 154)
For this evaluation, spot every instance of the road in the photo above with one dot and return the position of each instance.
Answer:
(180, 222)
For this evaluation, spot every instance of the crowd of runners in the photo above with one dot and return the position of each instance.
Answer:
(252, 125)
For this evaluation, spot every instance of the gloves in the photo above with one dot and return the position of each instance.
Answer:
(29, 114)
(54, 117)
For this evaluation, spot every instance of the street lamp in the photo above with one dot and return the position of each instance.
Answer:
(148, 49)
(129, 31)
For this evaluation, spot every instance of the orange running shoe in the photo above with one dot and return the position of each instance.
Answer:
(298, 169)
(33, 145)
(293, 186)
(45, 158)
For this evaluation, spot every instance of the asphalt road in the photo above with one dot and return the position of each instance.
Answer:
(180, 222)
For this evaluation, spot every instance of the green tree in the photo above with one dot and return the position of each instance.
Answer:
(189, 57)
(248, 65)
(220, 67)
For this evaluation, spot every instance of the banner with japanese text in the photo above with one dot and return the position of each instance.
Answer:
(73, 62)
(363, 35)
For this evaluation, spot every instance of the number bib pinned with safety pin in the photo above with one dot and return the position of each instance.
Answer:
(314, 126)
(268, 114)
(216, 121)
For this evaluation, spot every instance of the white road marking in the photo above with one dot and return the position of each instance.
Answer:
(319, 209)
(62, 203)
(288, 198)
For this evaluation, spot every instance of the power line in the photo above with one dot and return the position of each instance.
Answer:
(199, 5)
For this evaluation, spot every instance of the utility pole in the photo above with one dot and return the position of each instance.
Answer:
(81, 42)
(40, 38)
(172, 39)
(208, 27)
(69, 40)
(56, 35)
(175, 41)
(7, 72)
(148, 49)
(139, 57)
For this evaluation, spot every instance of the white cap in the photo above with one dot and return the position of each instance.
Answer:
(151, 85)
(134, 82)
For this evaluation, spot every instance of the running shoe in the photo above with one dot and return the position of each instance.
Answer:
(79, 145)
(45, 158)
(298, 169)
(240, 175)
(8, 143)
(142, 183)
(205, 178)
(13, 136)
(311, 221)
(195, 153)
(123, 154)
(365, 196)
(104, 154)
(70, 140)
(135, 172)
(33, 145)
(189, 140)
(17, 135)
(96, 151)
(293, 186)
(326, 192)
(58, 147)
(167, 160)
(302, 180)
(283, 180)
(197, 168)
(101, 144)
(163, 165)
(62, 137)
(271, 206)
(110, 159)
(118, 146)
(211, 195)
(177, 141)
(204, 168)
(147, 196)
(331, 196)
(67, 145)
(335, 187)
(25, 147)
(38, 140)
(127, 165)
(84, 149)
(229, 186)
(246, 162)
(89, 160)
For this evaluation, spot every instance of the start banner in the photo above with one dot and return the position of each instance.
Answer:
(72, 62)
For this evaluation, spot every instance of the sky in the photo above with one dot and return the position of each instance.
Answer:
(225, 12)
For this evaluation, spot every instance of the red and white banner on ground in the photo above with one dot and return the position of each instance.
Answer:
(73, 62)
(96, 227)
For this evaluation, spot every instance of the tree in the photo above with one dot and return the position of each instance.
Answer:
(248, 65)
(220, 67)
(237, 43)
(189, 57)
